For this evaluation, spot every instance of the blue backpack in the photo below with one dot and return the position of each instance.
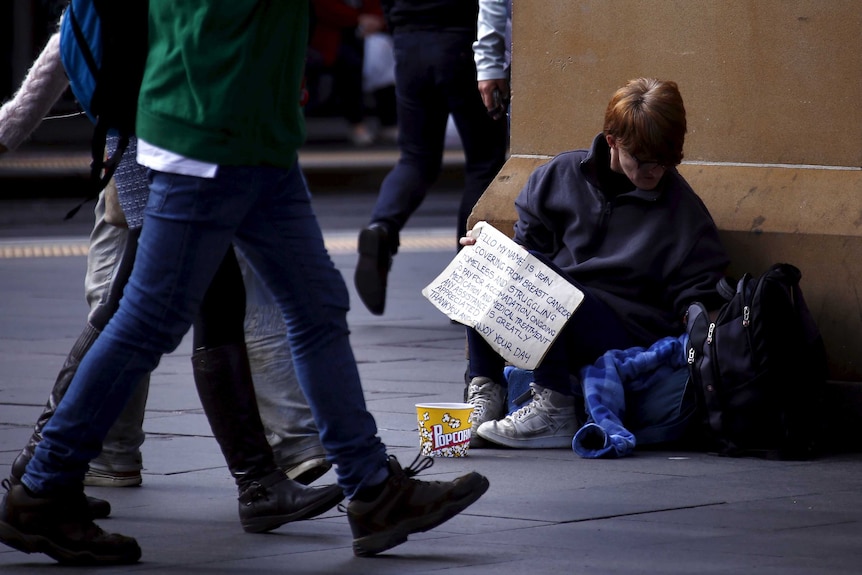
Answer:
(103, 46)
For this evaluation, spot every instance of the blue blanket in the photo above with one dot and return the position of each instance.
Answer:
(618, 373)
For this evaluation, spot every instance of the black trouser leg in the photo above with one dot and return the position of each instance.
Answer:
(223, 377)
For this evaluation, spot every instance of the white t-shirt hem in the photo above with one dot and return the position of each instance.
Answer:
(166, 161)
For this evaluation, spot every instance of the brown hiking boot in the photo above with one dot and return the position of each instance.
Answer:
(408, 506)
(61, 528)
(99, 508)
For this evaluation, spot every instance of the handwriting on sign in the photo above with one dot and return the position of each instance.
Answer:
(517, 303)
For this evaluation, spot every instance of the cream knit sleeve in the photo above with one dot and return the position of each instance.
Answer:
(44, 84)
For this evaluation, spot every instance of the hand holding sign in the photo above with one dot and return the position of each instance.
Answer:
(513, 300)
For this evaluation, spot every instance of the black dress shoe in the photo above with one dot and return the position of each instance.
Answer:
(275, 500)
(376, 247)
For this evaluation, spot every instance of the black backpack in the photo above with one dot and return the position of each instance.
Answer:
(759, 369)
(103, 46)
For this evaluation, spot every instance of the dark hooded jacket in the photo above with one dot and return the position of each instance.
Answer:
(646, 254)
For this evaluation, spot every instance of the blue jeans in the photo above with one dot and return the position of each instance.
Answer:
(435, 76)
(189, 224)
(592, 330)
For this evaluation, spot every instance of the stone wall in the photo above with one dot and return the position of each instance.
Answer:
(772, 90)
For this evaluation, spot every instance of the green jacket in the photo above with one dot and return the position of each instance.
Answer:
(223, 80)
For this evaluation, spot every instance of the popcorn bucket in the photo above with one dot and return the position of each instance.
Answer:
(444, 428)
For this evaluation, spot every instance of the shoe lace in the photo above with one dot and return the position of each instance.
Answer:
(404, 479)
(419, 464)
(480, 395)
(536, 401)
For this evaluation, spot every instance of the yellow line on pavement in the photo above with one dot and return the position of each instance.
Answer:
(43, 248)
(433, 242)
(337, 243)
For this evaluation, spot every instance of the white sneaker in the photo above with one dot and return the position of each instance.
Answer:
(489, 404)
(547, 421)
(111, 478)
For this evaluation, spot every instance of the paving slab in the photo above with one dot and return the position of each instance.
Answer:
(547, 511)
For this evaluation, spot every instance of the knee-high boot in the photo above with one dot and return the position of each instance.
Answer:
(223, 380)
(64, 378)
(267, 499)
(99, 508)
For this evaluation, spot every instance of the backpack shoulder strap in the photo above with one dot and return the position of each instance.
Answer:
(725, 288)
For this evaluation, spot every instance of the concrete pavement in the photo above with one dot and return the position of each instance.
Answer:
(547, 511)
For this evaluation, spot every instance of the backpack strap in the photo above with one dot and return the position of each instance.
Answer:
(101, 169)
(726, 288)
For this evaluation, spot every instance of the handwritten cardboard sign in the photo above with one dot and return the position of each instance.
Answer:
(512, 299)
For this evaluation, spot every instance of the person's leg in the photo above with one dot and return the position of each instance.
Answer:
(551, 418)
(591, 331)
(112, 251)
(385, 107)
(120, 462)
(222, 374)
(484, 140)
(289, 424)
(174, 264)
(378, 82)
(178, 254)
(284, 245)
(486, 386)
(348, 87)
(223, 377)
(189, 226)
(422, 113)
(186, 231)
(22, 517)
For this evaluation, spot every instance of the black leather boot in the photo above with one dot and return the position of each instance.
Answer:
(99, 508)
(376, 245)
(267, 498)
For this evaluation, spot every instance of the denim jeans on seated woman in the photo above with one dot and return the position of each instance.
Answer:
(592, 330)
